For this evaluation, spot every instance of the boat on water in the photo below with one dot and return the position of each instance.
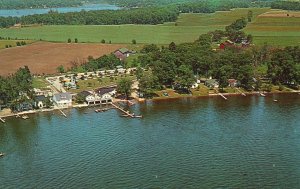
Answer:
(275, 100)
(2, 154)
(101, 110)
(261, 94)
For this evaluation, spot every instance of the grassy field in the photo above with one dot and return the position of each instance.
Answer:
(92, 84)
(188, 29)
(275, 28)
(221, 18)
(122, 34)
(39, 82)
(265, 27)
(3, 43)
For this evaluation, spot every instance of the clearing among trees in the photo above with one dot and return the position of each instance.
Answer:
(45, 57)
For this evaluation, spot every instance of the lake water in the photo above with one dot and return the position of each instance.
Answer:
(25, 12)
(245, 142)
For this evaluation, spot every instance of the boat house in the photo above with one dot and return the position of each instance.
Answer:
(106, 94)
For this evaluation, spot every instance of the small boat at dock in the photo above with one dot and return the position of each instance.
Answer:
(101, 110)
(25, 117)
(261, 94)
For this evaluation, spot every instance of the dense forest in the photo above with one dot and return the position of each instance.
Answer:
(19, 4)
(15, 86)
(106, 17)
(287, 5)
(144, 3)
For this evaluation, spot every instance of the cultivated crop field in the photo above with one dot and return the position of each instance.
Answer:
(45, 57)
(276, 28)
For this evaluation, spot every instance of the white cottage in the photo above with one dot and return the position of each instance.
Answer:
(62, 100)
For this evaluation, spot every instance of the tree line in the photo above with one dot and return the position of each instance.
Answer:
(17, 4)
(286, 5)
(103, 17)
(224, 4)
(16, 88)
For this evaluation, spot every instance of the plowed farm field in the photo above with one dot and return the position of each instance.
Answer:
(45, 57)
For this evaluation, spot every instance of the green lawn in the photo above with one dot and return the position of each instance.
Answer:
(39, 83)
(92, 84)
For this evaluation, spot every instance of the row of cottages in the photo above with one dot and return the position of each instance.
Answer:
(213, 83)
(123, 53)
(99, 96)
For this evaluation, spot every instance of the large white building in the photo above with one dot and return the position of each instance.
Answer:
(62, 100)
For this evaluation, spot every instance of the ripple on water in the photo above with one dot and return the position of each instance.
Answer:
(245, 142)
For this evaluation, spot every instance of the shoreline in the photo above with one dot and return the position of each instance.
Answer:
(140, 100)
(225, 94)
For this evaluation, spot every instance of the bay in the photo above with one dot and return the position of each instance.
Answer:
(25, 12)
(245, 142)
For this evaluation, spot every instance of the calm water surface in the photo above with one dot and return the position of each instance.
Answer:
(25, 12)
(245, 142)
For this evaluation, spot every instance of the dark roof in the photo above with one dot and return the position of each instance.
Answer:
(39, 98)
(63, 96)
(105, 90)
(124, 50)
(119, 55)
(84, 93)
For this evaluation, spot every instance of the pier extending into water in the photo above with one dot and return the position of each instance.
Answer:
(2, 120)
(126, 113)
(222, 96)
(62, 113)
(243, 94)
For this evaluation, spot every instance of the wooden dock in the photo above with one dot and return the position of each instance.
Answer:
(243, 94)
(125, 113)
(2, 120)
(62, 113)
(222, 96)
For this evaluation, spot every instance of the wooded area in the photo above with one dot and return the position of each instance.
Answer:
(17, 4)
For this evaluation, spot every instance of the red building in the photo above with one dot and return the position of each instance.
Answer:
(225, 44)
